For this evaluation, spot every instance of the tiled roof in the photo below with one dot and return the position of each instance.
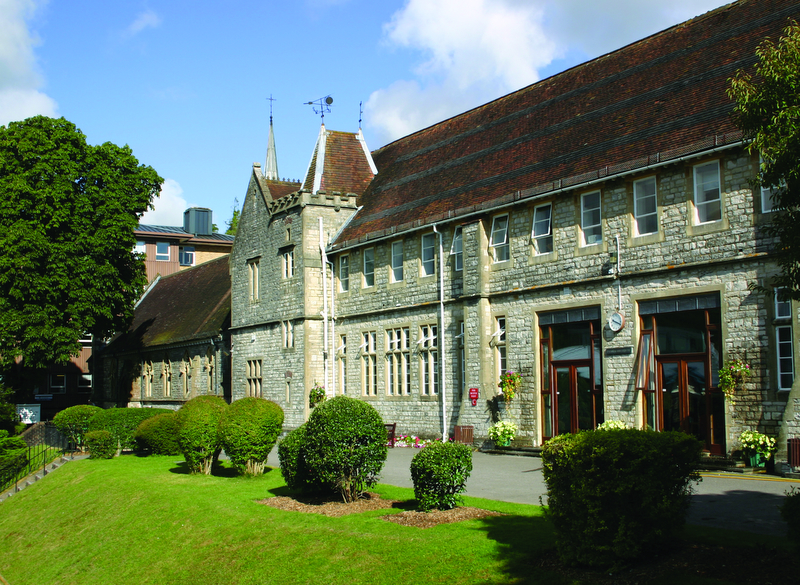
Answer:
(346, 168)
(277, 189)
(188, 305)
(659, 96)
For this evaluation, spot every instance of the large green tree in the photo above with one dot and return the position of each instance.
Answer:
(67, 262)
(767, 109)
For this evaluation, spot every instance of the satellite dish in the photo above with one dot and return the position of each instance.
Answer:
(329, 100)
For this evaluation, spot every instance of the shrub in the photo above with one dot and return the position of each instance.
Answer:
(13, 456)
(122, 423)
(248, 430)
(102, 444)
(790, 512)
(440, 472)
(158, 434)
(73, 422)
(198, 437)
(294, 469)
(611, 495)
(345, 445)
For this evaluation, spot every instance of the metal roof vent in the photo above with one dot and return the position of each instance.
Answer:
(197, 221)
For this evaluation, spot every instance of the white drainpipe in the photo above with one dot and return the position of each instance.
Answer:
(441, 336)
(333, 326)
(324, 305)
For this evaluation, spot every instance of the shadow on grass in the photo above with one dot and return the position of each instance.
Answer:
(220, 469)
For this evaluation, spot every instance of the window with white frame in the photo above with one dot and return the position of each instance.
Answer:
(369, 365)
(645, 209)
(591, 226)
(186, 255)
(162, 251)
(428, 254)
(457, 249)
(254, 380)
(287, 329)
(341, 358)
(84, 381)
(141, 247)
(58, 383)
(397, 261)
(344, 273)
(287, 263)
(499, 341)
(253, 279)
(784, 339)
(429, 360)
(369, 267)
(542, 230)
(499, 239)
(398, 365)
(707, 199)
(166, 377)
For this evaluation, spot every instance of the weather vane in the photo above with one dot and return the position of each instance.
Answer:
(321, 106)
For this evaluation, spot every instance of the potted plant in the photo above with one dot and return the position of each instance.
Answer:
(316, 395)
(510, 383)
(502, 433)
(732, 376)
(757, 448)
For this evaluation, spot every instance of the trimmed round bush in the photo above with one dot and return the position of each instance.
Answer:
(13, 456)
(345, 446)
(248, 430)
(440, 472)
(294, 469)
(198, 437)
(614, 494)
(158, 435)
(102, 444)
(73, 422)
(122, 423)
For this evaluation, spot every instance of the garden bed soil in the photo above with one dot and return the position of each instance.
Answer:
(335, 507)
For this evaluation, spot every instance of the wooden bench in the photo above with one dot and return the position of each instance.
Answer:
(391, 428)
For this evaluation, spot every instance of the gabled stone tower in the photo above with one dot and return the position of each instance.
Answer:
(279, 311)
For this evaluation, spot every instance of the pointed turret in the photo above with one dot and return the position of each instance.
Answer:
(341, 162)
(271, 166)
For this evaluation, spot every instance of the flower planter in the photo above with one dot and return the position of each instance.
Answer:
(754, 459)
(506, 443)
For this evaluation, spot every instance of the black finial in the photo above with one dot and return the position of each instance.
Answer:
(271, 99)
(321, 105)
(360, 113)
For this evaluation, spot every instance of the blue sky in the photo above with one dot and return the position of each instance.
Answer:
(185, 82)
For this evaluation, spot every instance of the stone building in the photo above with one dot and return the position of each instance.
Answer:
(178, 345)
(595, 232)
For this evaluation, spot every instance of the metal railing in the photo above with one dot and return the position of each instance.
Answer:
(45, 443)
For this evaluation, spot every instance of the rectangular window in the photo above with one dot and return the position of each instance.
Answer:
(783, 336)
(499, 239)
(341, 356)
(397, 261)
(162, 251)
(58, 383)
(369, 365)
(344, 273)
(499, 341)
(707, 199)
(398, 365)
(186, 255)
(287, 264)
(253, 279)
(254, 378)
(783, 304)
(428, 254)
(84, 381)
(645, 209)
(768, 202)
(429, 360)
(369, 267)
(457, 249)
(542, 232)
(590, 218)
(287, 328)
(141, 247)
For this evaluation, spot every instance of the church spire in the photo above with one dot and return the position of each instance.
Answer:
(271, 165)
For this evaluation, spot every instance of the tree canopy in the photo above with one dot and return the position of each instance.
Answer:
(233, 222)
(767, 110)
(68, 211)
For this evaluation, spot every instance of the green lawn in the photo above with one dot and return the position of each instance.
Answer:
(145, 520)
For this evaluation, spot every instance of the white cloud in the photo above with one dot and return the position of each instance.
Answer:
(473, 51)
(20, 81)
(168, 208)
(146, 19)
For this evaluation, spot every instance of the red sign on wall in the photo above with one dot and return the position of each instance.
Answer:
(473, 396)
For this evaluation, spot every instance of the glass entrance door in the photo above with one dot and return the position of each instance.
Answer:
(683, 396)
(574, 402)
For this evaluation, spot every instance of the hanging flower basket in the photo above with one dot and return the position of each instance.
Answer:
(509, 385)
(316, 395)
(732, 377)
